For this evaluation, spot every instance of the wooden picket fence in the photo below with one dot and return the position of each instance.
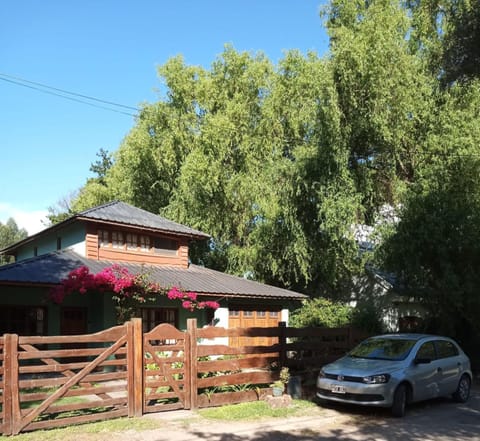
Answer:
(53, 381)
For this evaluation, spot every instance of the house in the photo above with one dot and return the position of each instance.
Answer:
(141, 243)
(381, 290)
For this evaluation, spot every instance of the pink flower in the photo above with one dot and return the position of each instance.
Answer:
(212, 304)
(191, 295)
(187, 304)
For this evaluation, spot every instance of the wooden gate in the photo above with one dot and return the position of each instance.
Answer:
(167, 369)
(48, 385)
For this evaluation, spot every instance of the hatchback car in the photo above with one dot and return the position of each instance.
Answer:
(396, 369)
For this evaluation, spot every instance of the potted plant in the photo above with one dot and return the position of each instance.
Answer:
(278, 387)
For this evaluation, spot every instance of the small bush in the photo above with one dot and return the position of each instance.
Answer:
(321, 312)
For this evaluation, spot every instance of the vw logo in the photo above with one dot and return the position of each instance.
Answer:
(340, 378)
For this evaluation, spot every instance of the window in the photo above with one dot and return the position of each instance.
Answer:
(131, 241)
(144, 243)
(103, 239)
(273, 314)
(35, 251)
(261, 313)
(233, 313)
(152, 317)
(23, 320)
(446, 349)
(427, 350)
(165, 246)
(59, 243)
(117, 239)
(409, 323)
(248, 313)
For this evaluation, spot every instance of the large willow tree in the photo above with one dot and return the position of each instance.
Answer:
(279, 162)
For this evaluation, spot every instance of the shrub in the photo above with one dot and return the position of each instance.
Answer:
(321, 312)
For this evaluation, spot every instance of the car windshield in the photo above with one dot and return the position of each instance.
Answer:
(383, 349)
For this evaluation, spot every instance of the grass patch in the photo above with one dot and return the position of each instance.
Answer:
(258, 409)
(91, 431)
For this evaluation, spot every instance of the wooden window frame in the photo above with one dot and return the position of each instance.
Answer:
(118, 240)
(29, 322)
(131, 241)
(149, 323)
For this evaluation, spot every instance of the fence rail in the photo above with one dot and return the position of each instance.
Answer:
(53, 381)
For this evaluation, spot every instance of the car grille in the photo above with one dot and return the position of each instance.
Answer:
(352, 397)
(344, 378)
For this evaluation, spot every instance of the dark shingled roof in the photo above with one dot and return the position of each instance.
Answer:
(51, 268)
(120, 212)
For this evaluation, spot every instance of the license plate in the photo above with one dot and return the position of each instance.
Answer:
(338, 389)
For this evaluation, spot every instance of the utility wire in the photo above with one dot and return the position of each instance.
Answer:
(61, 93)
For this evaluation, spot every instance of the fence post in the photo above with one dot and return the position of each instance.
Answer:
(191, 386)
(11, 412)
(136, 355)
(282, 341)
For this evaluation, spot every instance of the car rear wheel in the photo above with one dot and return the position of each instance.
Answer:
(463, 389)
(399, 401)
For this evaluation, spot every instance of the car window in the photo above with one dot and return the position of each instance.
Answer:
(383, 349)
(427, 351)
(446, 349)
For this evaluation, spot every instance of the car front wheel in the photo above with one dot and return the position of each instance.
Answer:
(463, 389)
(399, 401)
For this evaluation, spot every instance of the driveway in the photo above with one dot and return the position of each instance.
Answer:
(438, 420)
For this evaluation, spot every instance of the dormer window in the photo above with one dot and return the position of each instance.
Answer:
(144, 243)
(131, 241)
(103, 239)
(165, 246)
(117, 239)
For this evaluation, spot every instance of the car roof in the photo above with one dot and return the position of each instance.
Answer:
(409, 336)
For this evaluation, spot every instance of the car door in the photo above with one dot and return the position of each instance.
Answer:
(450, 365)
(425, 373)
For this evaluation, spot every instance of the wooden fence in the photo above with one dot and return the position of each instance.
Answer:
(53, 381)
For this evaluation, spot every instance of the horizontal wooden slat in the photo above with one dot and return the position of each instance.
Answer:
(48, 424)
(214, 332)
(259, 377)
(213, 350)
(109, 335)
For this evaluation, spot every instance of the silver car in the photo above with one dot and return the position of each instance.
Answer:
(396, 369)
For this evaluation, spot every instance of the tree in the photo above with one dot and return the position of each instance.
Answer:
(435, 247)
(251, 154)
(446, 33)
(385, 96)
(9, 234)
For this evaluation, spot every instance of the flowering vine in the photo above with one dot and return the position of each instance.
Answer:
(128, 289)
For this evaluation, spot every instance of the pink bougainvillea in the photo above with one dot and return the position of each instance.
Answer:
(127, 289)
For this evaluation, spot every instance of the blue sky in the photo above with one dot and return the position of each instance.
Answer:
(110, 49)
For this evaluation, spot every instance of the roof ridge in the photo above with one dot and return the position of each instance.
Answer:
(97, 207)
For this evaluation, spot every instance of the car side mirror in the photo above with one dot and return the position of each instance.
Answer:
(422, 360)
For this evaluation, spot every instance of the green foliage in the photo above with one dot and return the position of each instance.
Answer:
(9, 234)
(366, 317)
(321, 312)
(257, 409)
(278, 162)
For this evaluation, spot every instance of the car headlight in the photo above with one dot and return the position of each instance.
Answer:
(376, 379)
(321, 374)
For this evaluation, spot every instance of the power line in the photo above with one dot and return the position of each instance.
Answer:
(61, 93)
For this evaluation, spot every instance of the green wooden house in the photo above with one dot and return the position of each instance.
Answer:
(142, 243)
